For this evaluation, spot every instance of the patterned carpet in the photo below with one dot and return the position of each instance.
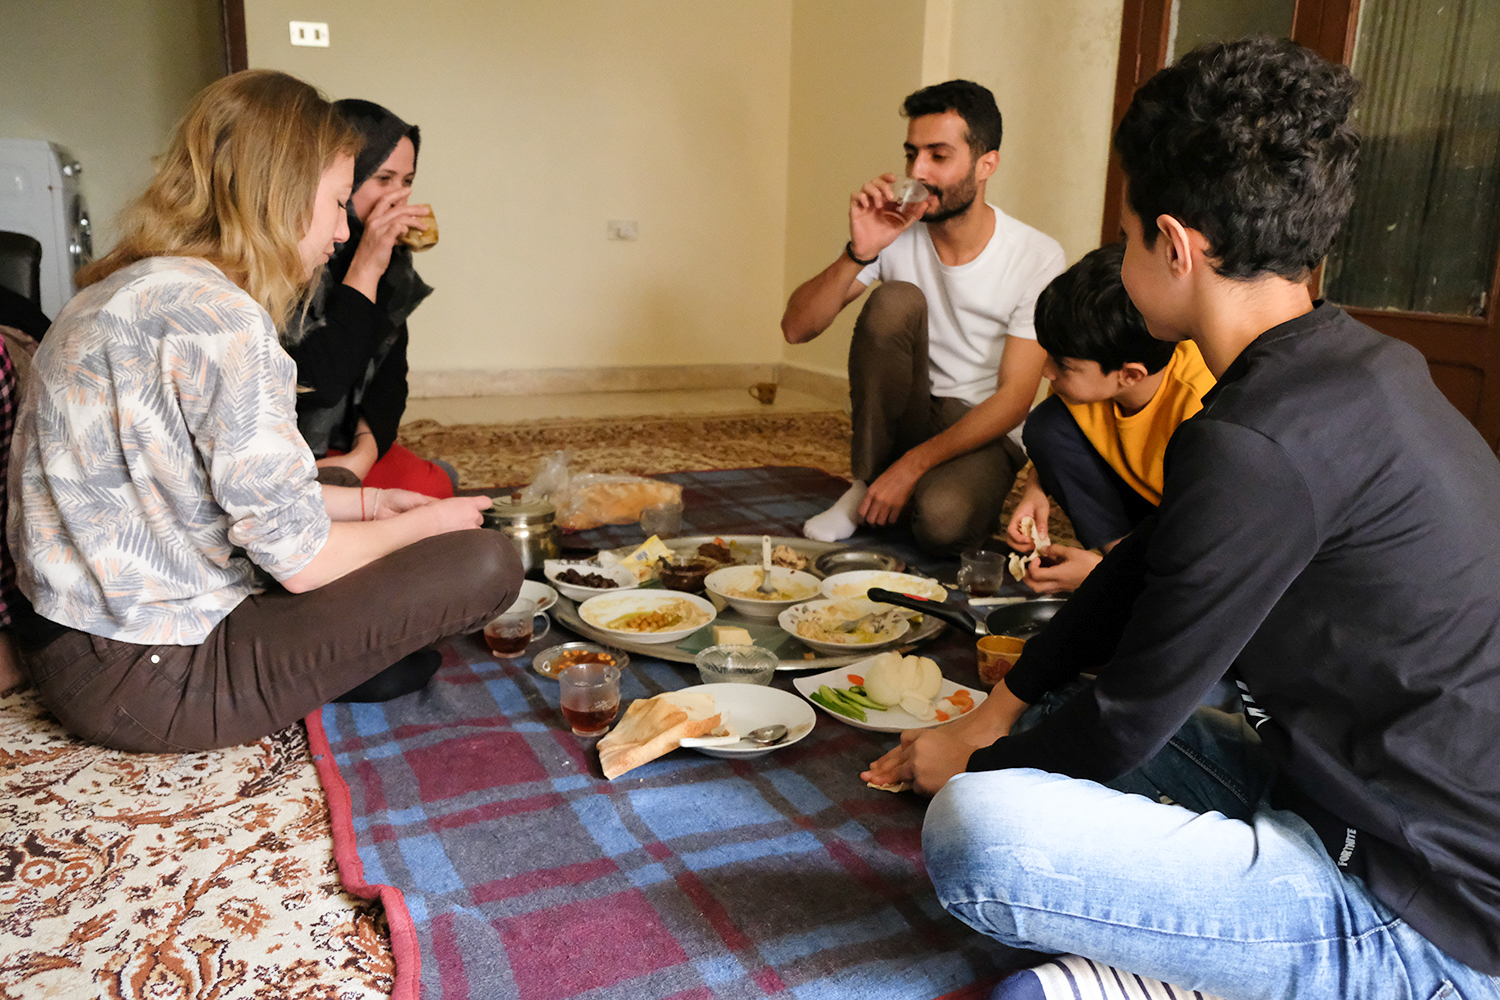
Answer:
(508, 455)
(206, 875)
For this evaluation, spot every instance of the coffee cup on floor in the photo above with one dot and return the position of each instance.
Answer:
(509, 634)
(764, 391)
(997, 654)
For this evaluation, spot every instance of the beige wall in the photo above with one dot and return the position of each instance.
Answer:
(852, 63)
(107, 80)
(540, 121)
(1052, 68)
(733, 131)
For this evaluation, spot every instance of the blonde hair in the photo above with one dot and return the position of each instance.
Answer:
(236, 187)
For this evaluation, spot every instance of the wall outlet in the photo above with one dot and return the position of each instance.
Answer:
(622, 229)
(313, 33)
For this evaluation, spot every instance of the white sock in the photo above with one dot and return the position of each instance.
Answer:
(840, 520)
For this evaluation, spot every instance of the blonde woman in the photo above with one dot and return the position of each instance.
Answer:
(194, 587)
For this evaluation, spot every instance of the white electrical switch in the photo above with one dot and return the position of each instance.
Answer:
(622, 229)
(313, 33)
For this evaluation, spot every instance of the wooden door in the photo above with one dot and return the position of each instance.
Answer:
(1435, 289)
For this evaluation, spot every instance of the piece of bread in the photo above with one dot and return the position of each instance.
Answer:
(900, 786)
(651, 727)
(615, 502)
(423, 238)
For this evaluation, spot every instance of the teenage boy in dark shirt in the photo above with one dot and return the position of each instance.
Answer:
(1330, 529)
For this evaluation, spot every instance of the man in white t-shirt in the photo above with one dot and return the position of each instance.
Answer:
(944, 364)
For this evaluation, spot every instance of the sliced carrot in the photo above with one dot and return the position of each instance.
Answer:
(961, 698)
(855, 679)
(942, 716)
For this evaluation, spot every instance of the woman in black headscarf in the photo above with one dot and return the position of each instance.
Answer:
(351, 348)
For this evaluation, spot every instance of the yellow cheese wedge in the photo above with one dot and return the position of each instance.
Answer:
(731, 635)
(641, 561)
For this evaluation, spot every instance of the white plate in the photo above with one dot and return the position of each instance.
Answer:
(540, 594)
(607, 607)
(742, 577)
(858, 582)
(749, 706)
(788, 621)
(892, 720)
(621, 575)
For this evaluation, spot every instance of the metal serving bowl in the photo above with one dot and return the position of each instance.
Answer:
(546, 662)
(849, 560)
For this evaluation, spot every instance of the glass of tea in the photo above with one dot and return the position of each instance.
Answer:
(590, 696)
(981, 573)
(509, 634)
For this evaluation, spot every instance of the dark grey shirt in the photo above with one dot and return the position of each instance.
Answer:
(1330, 529)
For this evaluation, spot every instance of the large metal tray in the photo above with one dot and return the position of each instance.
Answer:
(765, 631)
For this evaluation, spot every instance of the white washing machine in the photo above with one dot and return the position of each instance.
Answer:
(40, 195)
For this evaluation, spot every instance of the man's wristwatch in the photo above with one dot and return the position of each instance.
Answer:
(849, 251)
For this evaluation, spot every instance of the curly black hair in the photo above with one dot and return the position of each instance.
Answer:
(1247, 142)
(1085, 313)
(972, 102)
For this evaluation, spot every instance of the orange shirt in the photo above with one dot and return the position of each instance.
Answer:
(1134, 445)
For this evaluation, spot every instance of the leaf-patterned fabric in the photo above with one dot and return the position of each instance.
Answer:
(159, 459)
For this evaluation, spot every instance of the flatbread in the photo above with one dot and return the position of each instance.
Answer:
(900, 786)
(652, 727)
(1017, 564)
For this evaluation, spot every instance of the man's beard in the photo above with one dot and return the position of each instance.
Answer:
(955, 201)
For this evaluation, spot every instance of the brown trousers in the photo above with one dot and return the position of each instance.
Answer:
(957, 504)
(278, 656)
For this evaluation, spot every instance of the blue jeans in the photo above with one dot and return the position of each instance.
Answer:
(1177, 877)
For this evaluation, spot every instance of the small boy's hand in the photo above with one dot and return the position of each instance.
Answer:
(1068, 574)
(1033, 503)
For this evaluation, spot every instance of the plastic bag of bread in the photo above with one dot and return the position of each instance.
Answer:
(592, 500)
(655, 726)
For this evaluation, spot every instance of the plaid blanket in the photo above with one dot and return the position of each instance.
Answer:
(510, 868)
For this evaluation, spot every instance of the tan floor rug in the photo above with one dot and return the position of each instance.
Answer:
(508, 455)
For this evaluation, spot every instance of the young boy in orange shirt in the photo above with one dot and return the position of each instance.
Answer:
(1097, 443)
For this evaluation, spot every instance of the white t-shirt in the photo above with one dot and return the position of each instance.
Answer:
(973, 307)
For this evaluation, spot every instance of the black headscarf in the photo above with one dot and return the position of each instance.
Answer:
(401, 289)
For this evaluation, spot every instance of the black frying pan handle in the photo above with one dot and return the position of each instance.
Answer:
(946, 612)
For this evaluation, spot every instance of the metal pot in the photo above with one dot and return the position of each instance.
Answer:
(532, 527)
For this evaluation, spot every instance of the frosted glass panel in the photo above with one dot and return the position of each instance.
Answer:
(1197, 21)
(1426, 216)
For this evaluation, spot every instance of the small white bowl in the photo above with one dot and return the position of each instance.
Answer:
(539, 594)
(789, 618)
(620, 574)
(747, 578)
(856, 583)
(596, 611)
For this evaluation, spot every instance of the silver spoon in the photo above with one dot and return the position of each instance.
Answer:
(764, 736)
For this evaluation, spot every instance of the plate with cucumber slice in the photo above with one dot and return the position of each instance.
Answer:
(840, 692)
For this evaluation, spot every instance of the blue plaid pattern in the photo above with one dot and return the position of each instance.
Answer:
(526, 875)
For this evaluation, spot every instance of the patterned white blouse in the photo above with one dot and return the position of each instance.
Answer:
(158, 458)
